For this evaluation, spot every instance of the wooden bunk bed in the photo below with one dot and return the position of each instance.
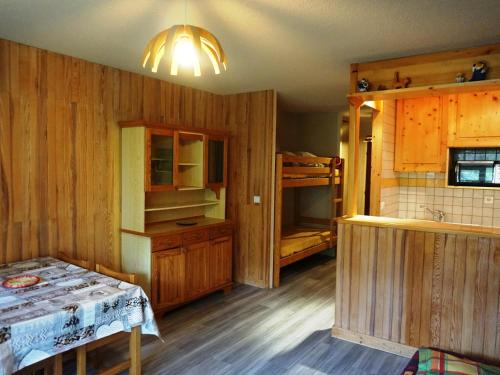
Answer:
(308, 235)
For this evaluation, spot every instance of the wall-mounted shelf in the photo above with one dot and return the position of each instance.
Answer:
(184, 188)
(188, 164)
(422, 91)
(177, 206)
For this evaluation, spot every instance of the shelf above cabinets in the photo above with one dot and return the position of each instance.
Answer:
(426, 91)
(188, 164)
(177, 205)
(185, 187)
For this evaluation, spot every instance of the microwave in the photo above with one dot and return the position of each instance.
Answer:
(482, 173)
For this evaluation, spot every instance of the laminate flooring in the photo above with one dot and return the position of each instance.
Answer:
(256, 331)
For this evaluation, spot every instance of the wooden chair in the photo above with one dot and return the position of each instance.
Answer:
(77, 262)
(124, 365)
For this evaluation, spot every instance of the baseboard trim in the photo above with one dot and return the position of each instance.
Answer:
(374, 342)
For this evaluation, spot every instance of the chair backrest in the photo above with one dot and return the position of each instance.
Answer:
(127, 277)
(77, 262)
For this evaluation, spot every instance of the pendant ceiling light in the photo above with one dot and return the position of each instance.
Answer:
(183, 45)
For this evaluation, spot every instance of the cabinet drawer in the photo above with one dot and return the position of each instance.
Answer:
(194, 237)
(222, 231)
(167, 242)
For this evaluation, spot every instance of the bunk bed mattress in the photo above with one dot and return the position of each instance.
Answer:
(296, 239)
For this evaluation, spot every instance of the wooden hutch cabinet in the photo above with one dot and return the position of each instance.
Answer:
(174, 233)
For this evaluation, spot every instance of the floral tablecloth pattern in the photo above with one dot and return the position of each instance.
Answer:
(69, 307)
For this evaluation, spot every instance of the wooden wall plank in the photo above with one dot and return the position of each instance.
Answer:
(492, 301)
(338, 274)
(346, 277)
(355, 278)
(363, 262)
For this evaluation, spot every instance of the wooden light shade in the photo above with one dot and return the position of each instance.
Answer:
(200, 39)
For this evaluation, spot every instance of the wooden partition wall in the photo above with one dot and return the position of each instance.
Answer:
(418, 288)
(60, 147)
(252, 120)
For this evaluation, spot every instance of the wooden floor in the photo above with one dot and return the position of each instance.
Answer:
(255, 331)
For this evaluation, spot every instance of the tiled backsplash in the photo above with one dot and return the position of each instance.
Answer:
(418, 192)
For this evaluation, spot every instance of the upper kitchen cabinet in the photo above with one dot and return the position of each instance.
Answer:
(421, 133)
(160, 172)
(474, 119)
(216, 150)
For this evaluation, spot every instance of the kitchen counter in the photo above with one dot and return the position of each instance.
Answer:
(403, 284)
(170, 227)
(422, 225)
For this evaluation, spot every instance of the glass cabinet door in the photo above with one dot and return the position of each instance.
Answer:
(216, 162)
(160, 160)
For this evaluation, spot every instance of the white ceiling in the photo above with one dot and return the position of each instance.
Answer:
(302, 48)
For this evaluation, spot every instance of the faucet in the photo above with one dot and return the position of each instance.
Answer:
(437, 215)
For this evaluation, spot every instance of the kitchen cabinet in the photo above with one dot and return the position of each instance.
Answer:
(160, 159)
(188, 265)
(168, 284)
(421, 135)
(474, 119)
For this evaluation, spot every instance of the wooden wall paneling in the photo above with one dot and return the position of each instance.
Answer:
(422, 289)
(363, 281)
(448, 266)
(339, 265)
(408, 275)
(344, 297)
(371, 281)
(60, 158)
(497, 271)
(426, 288)
(480, 295)
(251, 119)
(355, 270)
(491, 346)
(437, 289)
(469, 293)
(5, 156)
(458, 293)
(380, 267)
(397, 286)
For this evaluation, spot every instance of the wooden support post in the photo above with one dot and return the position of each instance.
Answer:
(353, 162)
(376, 172)
(135, 351)
(333, 202)
(81, 360)
(278, 203)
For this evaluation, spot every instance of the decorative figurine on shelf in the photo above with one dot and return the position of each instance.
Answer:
(460, 78)
(363, 85)
(479, 70)
(399, 84)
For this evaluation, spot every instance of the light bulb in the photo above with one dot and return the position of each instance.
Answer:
(184, 53)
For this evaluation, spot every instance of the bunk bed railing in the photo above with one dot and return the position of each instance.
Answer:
(306, 159)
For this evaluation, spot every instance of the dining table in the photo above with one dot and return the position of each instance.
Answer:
(48, 307)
